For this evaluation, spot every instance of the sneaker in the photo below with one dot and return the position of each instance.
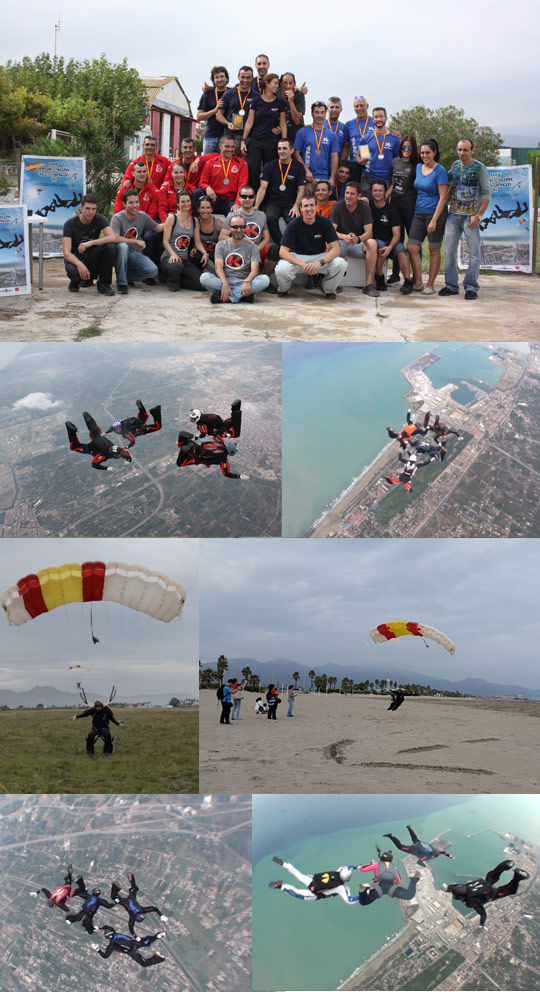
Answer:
(407, 287)
(281, 295)
(392, 481)
(69, 423)
(270, 288)
(508, 864)
(139, 404)
(330, 296)
(248, 299)
(311, 282)
(370, 290)
(73, 287)
(123, 290)
(275, 885)
(339, 289)
(471, 295)
(130, 876)
(447, 292)
(380, 283)
(86, 283)
(215, 297)
(521, 873)
(174, 287)
(150, 281)
(278, 861)
(392, 279)
(407, 486)
(164, 918)
(388, 835)
(105, 289)
(161, 934)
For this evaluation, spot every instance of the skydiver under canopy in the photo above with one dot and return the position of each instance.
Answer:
(124, 944)
(133, 427)
(212, 423)
(387, 881)
(479, 891)
(423, 852)
(322, 885)
(196, 450)
(409, 430)
(135, 911)
(89, 909)
(412, 464)
(60, 896)
(101, 716)
(99, 446)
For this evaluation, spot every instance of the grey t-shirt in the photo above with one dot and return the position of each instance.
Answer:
(126, 228)
(237, 258)
(403, 174)
(256, 224)
(351, 221)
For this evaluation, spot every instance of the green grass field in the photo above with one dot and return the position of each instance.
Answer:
(156, 751)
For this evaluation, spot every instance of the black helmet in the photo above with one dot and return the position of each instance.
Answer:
(387, 856)
(98, 702)
(96, 892)
(108, 931)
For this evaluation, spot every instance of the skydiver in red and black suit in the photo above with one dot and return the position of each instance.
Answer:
(212, 423)
(479, 891)
(99, 446)
(60, 896)
(135, 911)
(409, 430)
(207, 451)
(133, 427)
(423, 852)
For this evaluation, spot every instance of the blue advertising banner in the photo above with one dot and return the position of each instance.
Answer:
(506, 227)
(14, 251)
(52, 188)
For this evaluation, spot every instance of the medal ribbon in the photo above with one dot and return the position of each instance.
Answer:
(380, 147)
(242, 104)
(317, 140)
(330, 125)
(362, 133)
(284, 177)
(226, 171)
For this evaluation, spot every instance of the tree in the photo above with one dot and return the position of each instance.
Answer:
(22, 113)
(447, 125)
(311, 676)
(175, 702)
(296, 676)
(221, 667)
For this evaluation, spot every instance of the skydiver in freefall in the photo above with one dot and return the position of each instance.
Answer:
(123, 944)
(423, 852)
(99, 446)
(479, 891)
(409, 430)
(135, 911)
(387, 881)
(133, 427)
(197, 450)
(101, 716)
(60, 896)
(212, 423)
(322, 885)
(89, 909)
(412, 464)
(441, 431)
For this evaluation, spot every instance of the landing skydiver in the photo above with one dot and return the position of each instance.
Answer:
(423, 852)
(387, 881)
(133, 427)
(409, 430)
(99, 446)
(479, 891)
(398, 697)
(135, 911)
(412, 464)
(212, 423)
(322, 885)
(196, 450)
(60, 896)
(89, 909)
(101, 716)
(124, 944)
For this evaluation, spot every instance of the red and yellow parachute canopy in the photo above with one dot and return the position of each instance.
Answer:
(134, 586)
(399, 628)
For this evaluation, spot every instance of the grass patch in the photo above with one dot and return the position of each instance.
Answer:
(93, 331)
(157, 751)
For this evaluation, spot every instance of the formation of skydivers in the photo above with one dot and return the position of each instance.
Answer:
(213, 444)
(386, 881)
(419, 446)
(123, 943)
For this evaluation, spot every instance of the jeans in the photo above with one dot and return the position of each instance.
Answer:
(131, 264)
(291, 707)
(332, 272)
(456, 225)
(210, 146)
(213, 284)
(236, 709)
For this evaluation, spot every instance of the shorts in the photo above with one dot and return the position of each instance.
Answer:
(419, 229)
(396, 250)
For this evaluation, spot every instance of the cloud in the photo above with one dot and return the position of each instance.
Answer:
(37, 401)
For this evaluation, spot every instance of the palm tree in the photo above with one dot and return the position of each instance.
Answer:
(296, 676)
(221, 667)
(311, 675)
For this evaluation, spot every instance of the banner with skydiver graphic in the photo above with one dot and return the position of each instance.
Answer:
(506, 228)
(52, 188)
(14, 251)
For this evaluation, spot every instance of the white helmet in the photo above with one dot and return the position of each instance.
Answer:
(195, 416)
(345, 874)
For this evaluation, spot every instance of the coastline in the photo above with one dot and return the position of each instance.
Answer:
(377, 960)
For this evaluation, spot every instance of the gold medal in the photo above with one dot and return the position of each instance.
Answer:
(242, 112)
(380, 156)
(283, 188)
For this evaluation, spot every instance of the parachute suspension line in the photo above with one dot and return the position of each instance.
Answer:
(112, 694)
(82, 693)
(95, 640)
(426, 645)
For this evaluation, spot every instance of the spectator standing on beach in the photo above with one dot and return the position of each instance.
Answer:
(291, 695)
(237, 697)
(273, 700)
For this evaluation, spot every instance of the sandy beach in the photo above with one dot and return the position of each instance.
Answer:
(353, 744)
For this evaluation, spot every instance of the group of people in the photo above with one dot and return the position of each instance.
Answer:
(419, 446)
(475, 893)
(271, 191)
(214, 443)
(123, 943)
(231, 693)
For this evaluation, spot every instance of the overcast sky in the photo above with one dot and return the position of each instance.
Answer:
(315, 602)
(480, 57)
(135, 651)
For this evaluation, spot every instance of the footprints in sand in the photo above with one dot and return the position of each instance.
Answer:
(335, 751)
(481, 740)
(426, 768)
(432, 747)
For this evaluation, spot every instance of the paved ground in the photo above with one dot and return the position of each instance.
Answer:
(508, 309)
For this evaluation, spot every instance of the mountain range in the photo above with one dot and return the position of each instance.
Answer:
(49, 696)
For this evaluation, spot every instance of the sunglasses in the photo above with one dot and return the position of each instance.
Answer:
(238, 227)
(247, 196)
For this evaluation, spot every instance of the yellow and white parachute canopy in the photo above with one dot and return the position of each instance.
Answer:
(399, 628)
